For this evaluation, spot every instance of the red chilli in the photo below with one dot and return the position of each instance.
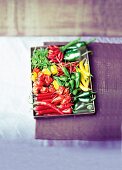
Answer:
(50, 106)
(54, 54)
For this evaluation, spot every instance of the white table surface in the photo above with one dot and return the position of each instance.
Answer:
(18, 148)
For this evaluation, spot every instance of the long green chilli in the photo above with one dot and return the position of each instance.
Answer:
(63, 48)
(66, 72)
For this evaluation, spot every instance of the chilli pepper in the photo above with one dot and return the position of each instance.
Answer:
(41, 77)
(39, 113)
(66, 72)
(84, 88)
(87, 100)
(80, 111)
(86, 65)
(65, 106)
(60, 72)
(82, 68)
(90, 107)
(54, 69)
(46, 71)
(66, 91)
(41, 98)
(63, 78)
(40, 107)
(58, 80)
(77, 80)
(44, 89)
(66, 99)
(85, 81)
(47, 100)
(71, 50)
(72, 84)
(72, 56)
(46, 112)
(57, 100)
(44, 94)
(35, 90)
(81, 44)
(51, 89)
(55, 54)
(73, 76)
(73, 47)
(63, 48)
(40, 83)
(41, 103)
(67, 111)
(34, 76)
(85, 94)
(75, 91)
(67, 84)
(85, 108)
(60, 90)
(77, 45)
(55, 84)
(78, 105)
(48, 80)
(37, 70)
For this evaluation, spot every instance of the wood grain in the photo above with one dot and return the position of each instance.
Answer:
(62, 17)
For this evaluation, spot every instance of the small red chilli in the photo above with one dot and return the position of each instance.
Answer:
(54, 54)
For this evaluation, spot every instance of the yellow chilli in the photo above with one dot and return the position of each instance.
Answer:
(84, 81)
(55, 84)
(54, 69)
(82, 68)
(34, 76)
(46, 71)
(86, 65)
(84, 88)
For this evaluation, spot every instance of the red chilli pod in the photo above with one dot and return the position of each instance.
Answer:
(54, 54)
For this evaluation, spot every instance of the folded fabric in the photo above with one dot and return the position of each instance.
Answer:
(107, 82)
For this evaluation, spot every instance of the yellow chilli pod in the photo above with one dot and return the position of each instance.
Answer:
(82, 68)
(84, 81)
(34, 76)
(54, 69)
(86, 65)
(55, 84)
(84, 88)
(46, 71)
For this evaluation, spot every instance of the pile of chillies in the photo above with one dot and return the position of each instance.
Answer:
(61, 80)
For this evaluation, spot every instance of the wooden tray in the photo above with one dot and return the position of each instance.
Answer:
(85, 111)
